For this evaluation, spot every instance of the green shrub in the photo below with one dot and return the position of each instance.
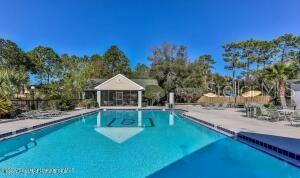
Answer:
(87, 103)
(5, 105)
(154, 93)
(65, 105)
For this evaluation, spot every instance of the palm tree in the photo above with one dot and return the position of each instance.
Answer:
(4, 106)
(280, 72)
(10, 81)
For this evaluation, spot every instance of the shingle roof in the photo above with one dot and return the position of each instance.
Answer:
(92, 83)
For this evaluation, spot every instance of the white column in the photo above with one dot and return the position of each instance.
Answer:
(99, 97)
(171, 99)
(171, 118)
(140, 118)
(139, 99)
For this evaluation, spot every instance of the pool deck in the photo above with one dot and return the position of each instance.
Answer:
(14, 128)
(279, 135)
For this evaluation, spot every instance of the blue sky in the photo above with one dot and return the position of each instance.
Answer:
(87, 27)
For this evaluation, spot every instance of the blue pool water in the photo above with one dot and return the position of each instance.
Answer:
(137, 144)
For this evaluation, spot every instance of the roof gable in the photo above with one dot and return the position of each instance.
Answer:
(119, 82)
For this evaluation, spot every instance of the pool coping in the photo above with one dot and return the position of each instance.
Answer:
(281, 154)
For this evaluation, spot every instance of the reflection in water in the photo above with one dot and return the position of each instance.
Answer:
(171, 118)
(99, 119)
(119, 134)
(121, 126)
(121, 129)
(124, 119)
(139, 118)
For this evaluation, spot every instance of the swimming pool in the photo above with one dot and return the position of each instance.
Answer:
(129, 143)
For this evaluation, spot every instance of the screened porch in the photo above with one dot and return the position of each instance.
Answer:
(119, 98)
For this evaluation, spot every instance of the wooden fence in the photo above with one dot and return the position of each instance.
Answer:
(239, 100)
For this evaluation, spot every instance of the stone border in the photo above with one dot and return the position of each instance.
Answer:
(281, 154)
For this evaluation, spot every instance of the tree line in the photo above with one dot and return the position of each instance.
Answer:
(64, 76)
(262, 63)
